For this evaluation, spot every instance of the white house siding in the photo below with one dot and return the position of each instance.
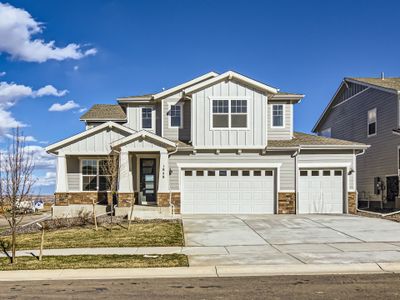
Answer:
(287, 174)
(98, 143)
(349, 121)
(182, 134)
(203, 136)
(284, 133)
(134, 111)
(331, 157)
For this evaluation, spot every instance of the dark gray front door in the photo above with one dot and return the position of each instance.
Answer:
(392, 185)
(147, 180)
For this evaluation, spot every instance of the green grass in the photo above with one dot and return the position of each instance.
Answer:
(157, 234)
(95, 261)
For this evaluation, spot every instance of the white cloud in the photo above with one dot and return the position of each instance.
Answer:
(27, 138)
(76, 68)
(2, 74)
(82, 110)
(50, 90)
(64, 107)
(48, 179)
(41, 159)
(17, 28)
(7, 121)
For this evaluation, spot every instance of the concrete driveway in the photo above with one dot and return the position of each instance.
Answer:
(290, 239)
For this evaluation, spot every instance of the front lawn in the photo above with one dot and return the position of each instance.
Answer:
(95, 261)
(147, 234)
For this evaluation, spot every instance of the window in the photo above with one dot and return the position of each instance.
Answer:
(326, 173)
(95, 175)
(220, 113)
(223, 173)
(338, 173)
(314, 173)
(229, 114)
(175, 115)
(303, 173)
(147, 117)
(371, 122)
(326, 132)
(245, 173)
(238, 113)
(199, 173)
(257, 173)
(188, 173)
(277, 115)
(268, 173)
(234, 173)
(211, 173)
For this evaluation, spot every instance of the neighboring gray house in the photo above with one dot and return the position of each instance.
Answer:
(366, 110)
(219, 144)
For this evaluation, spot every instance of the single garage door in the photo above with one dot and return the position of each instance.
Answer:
(321, 191)
(234, 191)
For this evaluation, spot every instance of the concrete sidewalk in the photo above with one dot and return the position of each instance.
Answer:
(197, 272)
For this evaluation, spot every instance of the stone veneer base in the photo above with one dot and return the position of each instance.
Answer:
(286, 203)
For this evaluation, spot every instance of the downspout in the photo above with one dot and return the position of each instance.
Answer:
(355, 177)
(171, 205)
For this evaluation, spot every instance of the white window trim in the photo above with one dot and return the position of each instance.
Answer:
(169, 117)
(376, 122)
(97, 175)
(283, 115)
(153, 118)
(230, 112)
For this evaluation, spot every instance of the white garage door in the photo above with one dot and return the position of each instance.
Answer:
(321, 191)
(227, 191)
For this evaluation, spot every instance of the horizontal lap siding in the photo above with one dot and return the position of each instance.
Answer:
(349, 121)
(204, 136)
(287, 168)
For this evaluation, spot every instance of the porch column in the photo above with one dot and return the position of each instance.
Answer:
(163, 174)
(125, 176)
(61, 183)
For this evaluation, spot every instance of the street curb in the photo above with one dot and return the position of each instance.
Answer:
(204, 271)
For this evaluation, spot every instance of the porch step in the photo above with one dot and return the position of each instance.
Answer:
(146, 212)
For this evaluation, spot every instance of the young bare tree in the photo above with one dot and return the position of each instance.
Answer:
(16, 183)
(109, 169)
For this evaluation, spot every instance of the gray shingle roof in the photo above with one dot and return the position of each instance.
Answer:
(104, 112)
(389, 82)
(304, 139)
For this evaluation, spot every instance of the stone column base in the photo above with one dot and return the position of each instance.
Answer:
(163, 200)
(287, 203)
(65, 199)
(126, 199)
(352, 202)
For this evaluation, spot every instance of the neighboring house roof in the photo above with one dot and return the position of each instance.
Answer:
(392, 83)
(304, 140)
(107, 112)
(169, 91)
(232, 75)
(54, 147)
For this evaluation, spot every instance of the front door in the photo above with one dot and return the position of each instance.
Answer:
(392, 185)
(147, 193)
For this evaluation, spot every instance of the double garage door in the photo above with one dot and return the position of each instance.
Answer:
(320, 191)
(228, 191)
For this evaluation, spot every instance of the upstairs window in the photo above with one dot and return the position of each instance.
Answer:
(238, 113)
(220, 113)
(371, 122)
(277, 115)
(147, 118)
(175, 114)
(229, 114)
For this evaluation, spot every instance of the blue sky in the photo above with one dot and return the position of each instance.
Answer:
(132, 47)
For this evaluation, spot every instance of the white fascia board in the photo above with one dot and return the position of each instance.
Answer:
(230, 165)
(184, 85)
(291, 98)
(324, 147)
(143, 133)
(109, 124)
(261, 147)
(232, 75)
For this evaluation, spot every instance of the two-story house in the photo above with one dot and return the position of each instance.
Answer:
(366, 110)
(217, 144)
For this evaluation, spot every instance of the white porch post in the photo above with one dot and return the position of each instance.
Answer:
(61, 184)
(125, 176)
(163, 177)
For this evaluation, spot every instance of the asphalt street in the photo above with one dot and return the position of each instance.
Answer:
(384, 286)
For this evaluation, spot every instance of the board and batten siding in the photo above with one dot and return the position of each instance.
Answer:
(286, 132)
(175, 134)
(349, 121)
(202, 134)
(332, 158)
(287, 174)
(97, 143)
(134, 117)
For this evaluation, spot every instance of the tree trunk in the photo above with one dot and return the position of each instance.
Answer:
(41, 245)
(13, 245)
